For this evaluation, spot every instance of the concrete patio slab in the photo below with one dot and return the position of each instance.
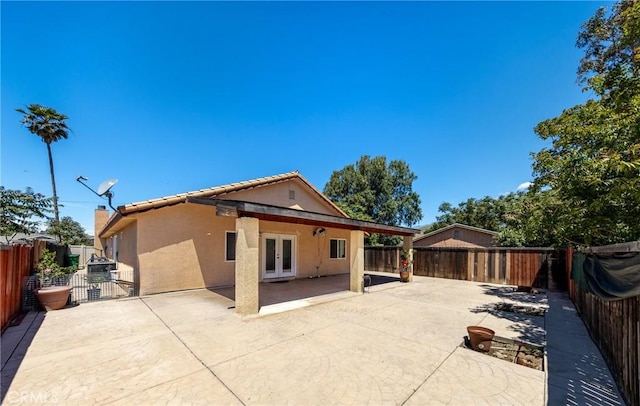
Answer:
(476, 379)
(397, 344)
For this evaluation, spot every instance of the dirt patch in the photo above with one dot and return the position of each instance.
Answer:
(520, 353)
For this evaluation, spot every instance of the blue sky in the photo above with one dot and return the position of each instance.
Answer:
(170, 97)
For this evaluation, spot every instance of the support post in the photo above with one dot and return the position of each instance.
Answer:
(247, 266)
(407, 244)
(356, 261)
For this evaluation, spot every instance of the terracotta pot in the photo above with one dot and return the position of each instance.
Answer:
(54, 297)
(404, 276)
(480, 338)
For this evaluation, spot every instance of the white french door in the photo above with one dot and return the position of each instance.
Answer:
(278, 256)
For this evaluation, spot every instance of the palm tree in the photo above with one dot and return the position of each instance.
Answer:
(49, 125)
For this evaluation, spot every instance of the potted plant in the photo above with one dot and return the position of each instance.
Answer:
(94, 280)
(53, 287)
(405, 263)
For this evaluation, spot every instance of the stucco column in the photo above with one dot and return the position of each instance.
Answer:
(247, 266)
(407, 244)
(356, 261)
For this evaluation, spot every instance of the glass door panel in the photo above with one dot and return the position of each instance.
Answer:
(270, 256)
(287, 256)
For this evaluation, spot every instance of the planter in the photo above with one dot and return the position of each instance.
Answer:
(404, 276)
(93, 294)
(480, 338)
(54, 297)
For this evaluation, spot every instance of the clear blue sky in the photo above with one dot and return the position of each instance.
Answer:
(170, 97)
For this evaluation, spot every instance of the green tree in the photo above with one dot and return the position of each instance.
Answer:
(22, 212)
(530, 219)
(68, 231)
(484, 213)
(522, 219)
(593, 165)
(49, 125)
(374, 190)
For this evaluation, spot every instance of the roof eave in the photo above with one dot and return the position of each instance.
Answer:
(285, 214)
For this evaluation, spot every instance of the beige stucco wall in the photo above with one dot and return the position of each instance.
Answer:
(127, 248)
(183, 246)
(278, 195)
(312, 252)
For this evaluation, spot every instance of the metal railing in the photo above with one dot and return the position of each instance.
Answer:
(94, 286)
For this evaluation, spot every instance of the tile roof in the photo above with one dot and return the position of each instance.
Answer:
(217, 191)
(449, 227)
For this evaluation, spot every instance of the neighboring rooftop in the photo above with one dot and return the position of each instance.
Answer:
(26, 238)
(454, 225)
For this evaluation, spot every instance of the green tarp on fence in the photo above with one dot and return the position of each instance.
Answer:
(610, 277)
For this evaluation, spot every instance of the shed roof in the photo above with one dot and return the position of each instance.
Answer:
(456, 225)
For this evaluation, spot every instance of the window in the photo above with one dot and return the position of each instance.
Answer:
(338, 248)
(230, 246)
(456, 233)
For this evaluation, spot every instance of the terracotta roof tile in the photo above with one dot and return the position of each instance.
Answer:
(216, 191)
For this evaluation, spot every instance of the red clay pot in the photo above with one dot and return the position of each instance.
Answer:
(54, 297)
(480, 338)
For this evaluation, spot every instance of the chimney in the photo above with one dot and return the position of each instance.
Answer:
(100, 219)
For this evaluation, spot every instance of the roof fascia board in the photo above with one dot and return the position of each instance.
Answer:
(302, 217)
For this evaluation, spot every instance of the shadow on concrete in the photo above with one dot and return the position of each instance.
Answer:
(381, 279)
(15, 342)
(526, 314)
(518, 294)
(577, 373)
(271, 293)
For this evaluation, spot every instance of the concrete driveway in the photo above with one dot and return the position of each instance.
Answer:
(397, 344)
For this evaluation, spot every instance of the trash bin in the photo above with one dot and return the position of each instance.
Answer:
(74, 259)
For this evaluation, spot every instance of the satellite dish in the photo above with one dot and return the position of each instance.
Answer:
(105, 186)
(103, 190)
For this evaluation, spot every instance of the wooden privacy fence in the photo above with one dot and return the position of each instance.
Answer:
(614, 326)
(510, 266)
(16, 263)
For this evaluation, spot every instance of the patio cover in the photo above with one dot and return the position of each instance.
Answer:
(237, 208)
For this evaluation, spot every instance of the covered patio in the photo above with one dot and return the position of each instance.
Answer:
(247, 292)
(293, 294)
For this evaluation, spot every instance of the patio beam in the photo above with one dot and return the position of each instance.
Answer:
(283, 214)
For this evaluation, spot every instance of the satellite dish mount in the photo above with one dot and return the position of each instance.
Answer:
(104, 190)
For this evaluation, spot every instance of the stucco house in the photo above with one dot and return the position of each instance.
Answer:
(457, 235)
(241, 234)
